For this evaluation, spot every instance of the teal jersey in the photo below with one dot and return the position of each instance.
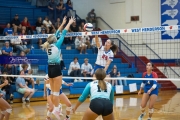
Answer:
(94, 91)
(54, 50)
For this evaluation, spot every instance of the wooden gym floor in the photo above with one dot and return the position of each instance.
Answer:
(167, 107)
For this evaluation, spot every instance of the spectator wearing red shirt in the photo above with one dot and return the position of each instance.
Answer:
(25, 23)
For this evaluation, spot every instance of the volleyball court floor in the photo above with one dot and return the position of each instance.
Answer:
(127, 107)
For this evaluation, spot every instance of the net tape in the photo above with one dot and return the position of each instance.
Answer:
(103, 32)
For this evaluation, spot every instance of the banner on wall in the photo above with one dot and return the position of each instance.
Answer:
(170, 15)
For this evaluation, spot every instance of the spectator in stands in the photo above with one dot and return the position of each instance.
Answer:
(80, 45)
(86, 40)
(8, 90)
(68, 40)
(42, 40)
(29, 80)
(61, 9)
(74, 27)
(8, 30)
(39, 25)
(22, 54)
(74, 70)
(24, 41)
(86, 68)
(25, 23)
(58, 23)
(69, 8)
(22, 88)
(114, 73)
(91, 18)
(16, 24)
(81, 27)
(17, 44)
(52, 8)
(7, 50)
(93, 44)
(10, 69)
(48, 25)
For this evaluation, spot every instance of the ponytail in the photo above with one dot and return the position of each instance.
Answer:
(45, 46)
(114, 47)
(102, 84)
(50, 40)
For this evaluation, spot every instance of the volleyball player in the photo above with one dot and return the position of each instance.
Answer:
(62, 97)
(52, 46)
(150, 91)
(4, 106)
(105, 54)
(102, 95)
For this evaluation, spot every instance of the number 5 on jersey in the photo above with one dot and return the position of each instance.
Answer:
(49, 51)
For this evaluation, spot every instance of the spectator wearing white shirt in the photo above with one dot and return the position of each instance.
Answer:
(86, 68)
(49, 26)
(80, 45)
(17, 43)
(74, 70)
(94, 46)
(86, 40)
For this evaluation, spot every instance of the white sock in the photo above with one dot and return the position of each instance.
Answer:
(27, 98)
(56, 108)
(23, 98)
(49, 113)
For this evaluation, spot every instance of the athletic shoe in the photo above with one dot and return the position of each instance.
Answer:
(56, 114)
(75, 80)
(141, 116)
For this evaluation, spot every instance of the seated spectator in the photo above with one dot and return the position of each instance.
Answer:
(74, 70)
(42, 40)
(61, 9)
(80, 45)
(22, 88)
(68, 40)
(22, 54)
(91, 18)
(8, 31)
(114, 73)
(63, 67)
(86, 68)
(25, 23)
(28, 72)
(52, 8)
(7, 50)
(58, 23)
(74, 27)
(69, 9)
(8, 90)
(81, 27)
(10, 69)
(17, 44)
(16, 24)
(2, 93)
(93, 44)
(24, 41)
(39, 25)
(86, 40)
(48, 25)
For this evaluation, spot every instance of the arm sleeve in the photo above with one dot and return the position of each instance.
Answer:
(61, 39)
(85, 93)
(142, 85)
(112, 95)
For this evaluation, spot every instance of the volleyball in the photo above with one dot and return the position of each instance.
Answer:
(88, 27)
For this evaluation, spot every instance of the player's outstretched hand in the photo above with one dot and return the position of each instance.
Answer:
(64, 20)
(71, 20)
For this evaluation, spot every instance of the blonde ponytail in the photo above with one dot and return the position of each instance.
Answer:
(50, 40)
(45, 46)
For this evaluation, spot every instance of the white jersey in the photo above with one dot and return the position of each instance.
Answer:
(53, 54)
(103, 56)
(96, 92)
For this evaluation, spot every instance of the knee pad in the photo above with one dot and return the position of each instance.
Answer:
(69, 109)
(142, 108)
(9, 111)
(151, 111)
(56, 93)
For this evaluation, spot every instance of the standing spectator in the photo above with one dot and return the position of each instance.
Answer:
(52, 8)
(42, 40)
(22, 54)
(8, 88)
(25, 23)
(80, 45)
(7, 50)
(91, 17)
(10, 69)
(48, 25)
(114, 73)
(61, 9)
(74, 70)
(94, 46)
(69, 8)
(22, 88)
(39, 25)
(17, 44)
(8, 30)
(86, 68)
(58, 23)
(16, 24)
(81, 27)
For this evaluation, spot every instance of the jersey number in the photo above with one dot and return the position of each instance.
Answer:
(99, 90)
(105, 57)
(49, 51)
